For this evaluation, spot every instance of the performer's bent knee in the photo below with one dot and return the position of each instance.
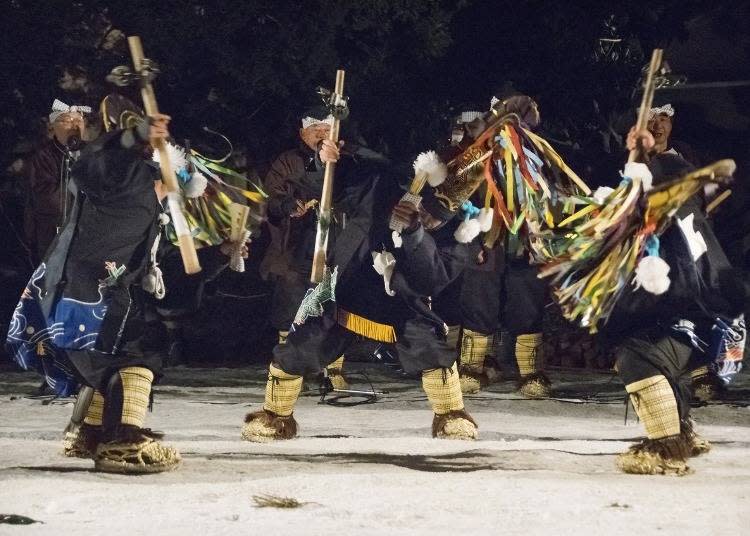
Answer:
(633, 367)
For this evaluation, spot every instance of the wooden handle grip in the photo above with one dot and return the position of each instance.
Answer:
(189, 254)
(318, 266)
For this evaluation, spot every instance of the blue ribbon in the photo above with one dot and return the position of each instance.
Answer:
(652, 246)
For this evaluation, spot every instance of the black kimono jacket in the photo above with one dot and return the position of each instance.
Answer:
(365, 194)
(83, 313)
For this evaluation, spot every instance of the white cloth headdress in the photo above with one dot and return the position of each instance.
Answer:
(468, 117)
(59, 108)
(666, 110)
(309, 121)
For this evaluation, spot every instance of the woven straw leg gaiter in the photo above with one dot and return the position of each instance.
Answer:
(656, 406)
(282, 391)
(443, 389)
(95, 413)
(136, 389)
(529, 353)
(475, 348)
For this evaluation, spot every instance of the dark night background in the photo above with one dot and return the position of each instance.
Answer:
(248, 68)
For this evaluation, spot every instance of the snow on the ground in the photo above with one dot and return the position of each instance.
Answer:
(540, 467)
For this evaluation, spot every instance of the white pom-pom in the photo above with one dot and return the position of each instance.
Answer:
(710, 189)
(602, 193)
(652, 274)
(384, 264)
(485, 219)
(397, 240)
(177, 158)
(195, 186)
(164, 218)
(638, 170)
(430, 163)
(467, 231)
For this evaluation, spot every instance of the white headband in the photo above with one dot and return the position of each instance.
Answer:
(59, 108)
(468, 117)
(309, 121)
(666, 110)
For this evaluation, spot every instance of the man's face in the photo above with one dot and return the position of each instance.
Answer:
(314, 134)
(470, 130)
(67, 125)
(660, 128)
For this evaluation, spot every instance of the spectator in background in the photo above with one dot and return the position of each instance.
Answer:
(47, 196)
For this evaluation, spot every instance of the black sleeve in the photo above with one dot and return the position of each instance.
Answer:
(113, 164)
(184, 292)
(427, 266)
(281, 203)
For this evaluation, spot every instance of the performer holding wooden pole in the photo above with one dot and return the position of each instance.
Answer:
(654, 288)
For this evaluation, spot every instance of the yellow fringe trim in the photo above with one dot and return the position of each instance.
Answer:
(367, 328)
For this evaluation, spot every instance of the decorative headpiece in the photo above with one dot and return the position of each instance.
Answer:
(59, 108)
(309, 121)
(119, 112)
(666, 110)
(468, 117)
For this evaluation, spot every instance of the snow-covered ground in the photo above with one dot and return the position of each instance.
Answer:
(540, 467)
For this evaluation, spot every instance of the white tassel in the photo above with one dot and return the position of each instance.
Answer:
(153, 281)
(236, 262)
(638, 170)
(467, 231)
(177, 158)
(485, 219)
(652, 274)
(384, 264)
(195, 186)
(430, 163)
(602, 193)
(397, 240)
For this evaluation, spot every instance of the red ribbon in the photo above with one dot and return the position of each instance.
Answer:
(522, 159)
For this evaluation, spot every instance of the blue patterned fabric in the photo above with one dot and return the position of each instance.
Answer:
(38, 342)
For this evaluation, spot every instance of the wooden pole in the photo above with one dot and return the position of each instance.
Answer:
(324, 215)
(185, 239)
(646, 101)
